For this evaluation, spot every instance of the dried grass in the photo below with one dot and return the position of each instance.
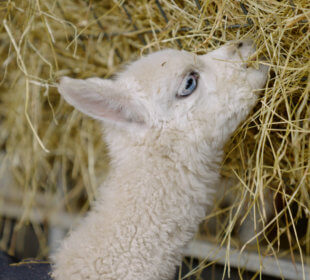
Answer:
(54, 151)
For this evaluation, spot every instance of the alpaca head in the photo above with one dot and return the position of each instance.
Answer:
(173, 92)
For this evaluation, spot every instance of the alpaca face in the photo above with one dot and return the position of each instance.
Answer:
(197, 97)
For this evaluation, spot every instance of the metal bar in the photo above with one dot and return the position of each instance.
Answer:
(161, 11)
(133, 24)
(39, 215)
(197, 248)
(198, 4)
(245, 11)
(248, 260)
(166, 19)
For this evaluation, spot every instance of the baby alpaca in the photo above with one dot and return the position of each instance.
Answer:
(166, 119)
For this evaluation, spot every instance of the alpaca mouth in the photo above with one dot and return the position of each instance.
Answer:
(255, 62)
(257, 75)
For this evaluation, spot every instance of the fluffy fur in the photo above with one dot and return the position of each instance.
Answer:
(165, 155)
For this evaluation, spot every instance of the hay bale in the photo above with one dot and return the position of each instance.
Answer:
(51, 149)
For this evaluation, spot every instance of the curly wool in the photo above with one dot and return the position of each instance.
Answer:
(165, 159)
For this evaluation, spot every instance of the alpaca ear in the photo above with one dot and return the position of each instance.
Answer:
(101, 99)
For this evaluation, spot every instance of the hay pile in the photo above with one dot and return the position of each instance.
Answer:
(51, 150)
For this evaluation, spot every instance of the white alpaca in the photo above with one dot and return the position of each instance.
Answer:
(166, 119)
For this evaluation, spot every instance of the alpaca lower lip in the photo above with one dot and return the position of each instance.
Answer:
(257, 65)
(255, 61)
(252, 62)
(253, 65)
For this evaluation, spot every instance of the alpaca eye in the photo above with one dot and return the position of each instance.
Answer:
(188, 85)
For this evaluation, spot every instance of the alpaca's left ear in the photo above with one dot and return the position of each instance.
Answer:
(102, 99)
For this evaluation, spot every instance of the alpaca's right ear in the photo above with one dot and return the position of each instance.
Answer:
(101, 99)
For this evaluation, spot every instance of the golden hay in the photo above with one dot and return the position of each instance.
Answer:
(51, 149)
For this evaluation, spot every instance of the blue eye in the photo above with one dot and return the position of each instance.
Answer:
(188, 85)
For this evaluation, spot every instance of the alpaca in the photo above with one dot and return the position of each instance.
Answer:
(166, 118)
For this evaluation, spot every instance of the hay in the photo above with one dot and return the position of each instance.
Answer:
(51, 150)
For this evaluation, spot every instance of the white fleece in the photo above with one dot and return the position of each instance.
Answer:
(165, 154)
